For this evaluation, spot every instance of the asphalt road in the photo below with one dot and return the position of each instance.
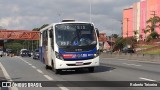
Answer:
(27, 69)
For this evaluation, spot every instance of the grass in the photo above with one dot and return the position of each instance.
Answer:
(146, 46)
(152, 52)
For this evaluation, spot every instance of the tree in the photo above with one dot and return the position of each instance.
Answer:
(153, 23)
(115, 35)
(123, 42)
(38, 29)
(135, 33)
(45, 25)
(154, 35)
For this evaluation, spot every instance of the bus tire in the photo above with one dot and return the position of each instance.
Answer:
(91, 69)
(47, 67)
(56, 71)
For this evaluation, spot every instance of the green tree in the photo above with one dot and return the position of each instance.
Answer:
(15, 46)
(135, 33)
(115, 35)
(38, 29)
(153, 23)
(43, 26)
(123, 42)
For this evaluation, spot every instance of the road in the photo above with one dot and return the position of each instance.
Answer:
(27, 69)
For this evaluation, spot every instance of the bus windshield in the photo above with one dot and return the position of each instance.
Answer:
(75, 34)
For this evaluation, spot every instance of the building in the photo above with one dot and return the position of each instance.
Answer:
(137, 16)
(143, 19)
(127, 22)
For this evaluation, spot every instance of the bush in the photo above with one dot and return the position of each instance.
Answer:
(154, 35)
(149, 38)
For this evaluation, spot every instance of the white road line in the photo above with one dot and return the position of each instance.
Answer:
(20, 58)
(40, 71)
(48, 77)
(131, 64)
(7, 77)
(23, 60)
(62, 87)
(146, 79)
(34, 67)
(29, 64)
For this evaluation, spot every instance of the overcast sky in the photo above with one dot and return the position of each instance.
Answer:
(29, 14)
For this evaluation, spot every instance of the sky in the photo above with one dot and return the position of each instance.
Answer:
(28, 14)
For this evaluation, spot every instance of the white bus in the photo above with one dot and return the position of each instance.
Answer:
(68, 45)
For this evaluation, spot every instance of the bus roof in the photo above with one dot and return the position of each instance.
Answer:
(63, 23)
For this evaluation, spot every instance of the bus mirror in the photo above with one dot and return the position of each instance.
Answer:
(51, 33)
(97, 31)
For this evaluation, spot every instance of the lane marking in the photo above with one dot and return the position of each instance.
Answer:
(146, 79)
(40, 71)
(6, 75)
(29, 64)
(132, 64)
(34, 67)
(48, 77)
(26, 62)
(5, 72)
(62, 87)
(23, 60)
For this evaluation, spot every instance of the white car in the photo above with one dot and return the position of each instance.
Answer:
(1, 52)
(22, 51)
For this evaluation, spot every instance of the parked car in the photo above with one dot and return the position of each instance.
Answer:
(22, 50)
(25, 53)
(36, 54)
(9, 51)
(1, 52)
(128, 50)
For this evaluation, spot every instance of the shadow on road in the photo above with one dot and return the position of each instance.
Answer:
(98, 69)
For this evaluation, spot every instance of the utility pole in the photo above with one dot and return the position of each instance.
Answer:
(122, 27)
(90, 10)
(32, 45)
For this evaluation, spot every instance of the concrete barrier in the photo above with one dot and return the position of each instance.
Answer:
(141, 57)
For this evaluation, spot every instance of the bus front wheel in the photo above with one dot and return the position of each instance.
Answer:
(56, 71)
(47, 67)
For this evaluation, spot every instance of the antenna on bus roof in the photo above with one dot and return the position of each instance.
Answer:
(67, 20)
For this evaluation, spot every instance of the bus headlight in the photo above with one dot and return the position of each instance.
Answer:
(97, 53)
(59, 56)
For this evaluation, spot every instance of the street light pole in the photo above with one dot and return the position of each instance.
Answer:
(90, 10)
(122, 28)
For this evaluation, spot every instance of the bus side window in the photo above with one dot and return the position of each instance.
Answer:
(45, 38)
(52, 38)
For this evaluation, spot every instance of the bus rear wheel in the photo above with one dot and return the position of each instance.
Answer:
(91, 69)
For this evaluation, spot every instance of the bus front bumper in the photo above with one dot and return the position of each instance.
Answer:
(60, 64)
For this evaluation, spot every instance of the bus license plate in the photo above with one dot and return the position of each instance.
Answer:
(79, 63)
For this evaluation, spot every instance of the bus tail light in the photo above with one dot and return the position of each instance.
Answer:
(59, 56)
